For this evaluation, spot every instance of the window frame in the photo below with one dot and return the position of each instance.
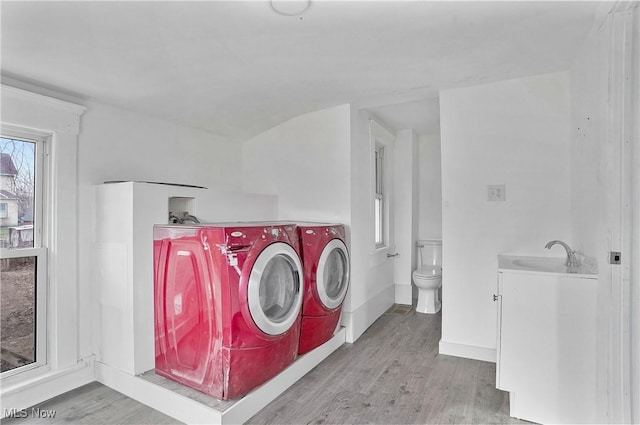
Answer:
(381, 141)
(39, 249)
(379, 198)
(68, 348)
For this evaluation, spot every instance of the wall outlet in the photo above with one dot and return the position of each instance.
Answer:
(496, 192)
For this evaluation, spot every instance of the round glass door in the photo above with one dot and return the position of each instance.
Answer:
(274, 289)
(332, 279)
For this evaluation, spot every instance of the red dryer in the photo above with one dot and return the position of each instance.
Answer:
(325, 260)
(228, 303)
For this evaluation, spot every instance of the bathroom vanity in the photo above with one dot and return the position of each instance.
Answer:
(546, 347)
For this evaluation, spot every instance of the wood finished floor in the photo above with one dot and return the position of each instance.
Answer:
(94, 403)
(393, 374)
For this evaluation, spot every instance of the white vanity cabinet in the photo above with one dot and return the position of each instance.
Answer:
(546, 348)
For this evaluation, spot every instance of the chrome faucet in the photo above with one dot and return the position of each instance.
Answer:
(571, 261)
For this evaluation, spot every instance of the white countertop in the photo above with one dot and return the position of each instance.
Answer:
(543, 266)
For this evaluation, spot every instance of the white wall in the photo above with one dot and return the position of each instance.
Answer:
(309, 162)
(306, 162)
(372, 278)
(406, 211)
(319, 164)
(589, 150)
(589, 91)
(429, 187)
(115, 144)
(515, 133)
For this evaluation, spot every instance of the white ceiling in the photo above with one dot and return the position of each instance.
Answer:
(421, 115)
(237, 68)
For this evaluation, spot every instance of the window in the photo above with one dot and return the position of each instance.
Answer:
(379, 201)
(23, 286)
(381, 148)
(58, 354)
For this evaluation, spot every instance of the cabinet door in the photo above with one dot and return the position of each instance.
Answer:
(548, 347)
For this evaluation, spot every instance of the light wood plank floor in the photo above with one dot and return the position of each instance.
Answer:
(94, 403)
(393, 374)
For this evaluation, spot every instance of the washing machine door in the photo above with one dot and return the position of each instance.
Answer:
(274, 289)
(332, 277)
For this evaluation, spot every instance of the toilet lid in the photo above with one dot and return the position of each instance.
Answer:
(429, 272)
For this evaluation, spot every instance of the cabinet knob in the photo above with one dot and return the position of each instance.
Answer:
(495, 297)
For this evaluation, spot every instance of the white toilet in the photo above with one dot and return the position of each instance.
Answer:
(428, 276)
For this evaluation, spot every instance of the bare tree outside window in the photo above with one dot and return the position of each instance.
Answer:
(17, 190)
(18, 273)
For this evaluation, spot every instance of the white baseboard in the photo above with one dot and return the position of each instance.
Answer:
(191, 411)
(356, 322)
(403, 294)
(46, 386)
(468, 351)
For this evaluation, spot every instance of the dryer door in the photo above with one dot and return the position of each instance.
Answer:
(184, 317)
(274, 289)
(332, 279)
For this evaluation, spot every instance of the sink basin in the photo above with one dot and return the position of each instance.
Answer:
(553, 265)
(556, 265)
(521, 264)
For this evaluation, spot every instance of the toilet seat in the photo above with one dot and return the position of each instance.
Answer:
(428, 272)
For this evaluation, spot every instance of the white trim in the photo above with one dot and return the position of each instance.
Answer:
(42, 114)
(261, 320)
(381, 137)
(381, 132)
(327, 301)
(634, 225)
(468, 351)
(359, 320)
(44, 100)
(20, 132)
(619, 132)
(191, 411)
(403, 293)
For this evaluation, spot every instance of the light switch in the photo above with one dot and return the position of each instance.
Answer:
(496, 192)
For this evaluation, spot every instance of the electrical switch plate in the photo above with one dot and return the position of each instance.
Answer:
(496, 192)
(615, 257)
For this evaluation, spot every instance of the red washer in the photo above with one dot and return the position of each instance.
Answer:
(326, 266)
(228, 303)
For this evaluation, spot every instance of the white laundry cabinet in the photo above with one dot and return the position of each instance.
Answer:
(546, 348)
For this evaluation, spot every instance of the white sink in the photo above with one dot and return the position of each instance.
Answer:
(539, 265)
(554, 265)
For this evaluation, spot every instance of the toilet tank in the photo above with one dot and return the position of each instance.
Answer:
(431, 252)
